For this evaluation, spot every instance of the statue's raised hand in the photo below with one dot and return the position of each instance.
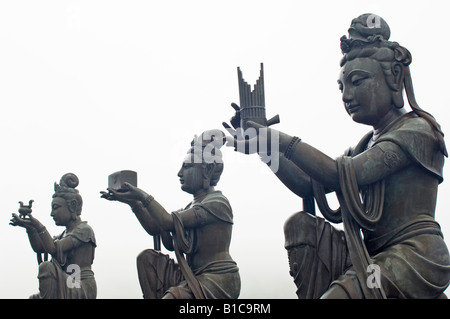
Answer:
(258, 139)
(18, 221)
(235, 138)
(27, 221)
(235, 120)
(128, 194)
(247, 142)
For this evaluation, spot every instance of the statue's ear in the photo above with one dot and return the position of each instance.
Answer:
(398, 74)
(72, 205)
(208, 171)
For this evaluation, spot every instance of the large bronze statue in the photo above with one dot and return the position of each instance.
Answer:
(391, 245)
(200, 234)
(69, 273)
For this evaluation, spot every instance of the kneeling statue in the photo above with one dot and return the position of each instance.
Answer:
(200, 234)
(68, 275)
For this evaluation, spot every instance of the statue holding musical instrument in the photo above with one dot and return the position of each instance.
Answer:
(391, 245)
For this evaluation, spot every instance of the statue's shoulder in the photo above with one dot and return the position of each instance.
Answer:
(218, 205)
(413, 122)
(415, 136)
(215, 196)
(410, 128)
(83, 232)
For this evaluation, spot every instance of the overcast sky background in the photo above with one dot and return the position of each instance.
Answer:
(94, 87)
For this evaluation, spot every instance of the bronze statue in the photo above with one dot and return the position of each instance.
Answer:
(69, 274)
(200, 234)
(391, 246)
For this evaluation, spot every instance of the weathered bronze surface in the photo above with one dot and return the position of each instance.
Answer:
(200, 233)
(68, 275)
(391, 245)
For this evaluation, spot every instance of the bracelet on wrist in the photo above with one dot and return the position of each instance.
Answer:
(148, 200)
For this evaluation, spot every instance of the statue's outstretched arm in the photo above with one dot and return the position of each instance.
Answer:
(48, 243)
(370, 166)
(293, 177)
(35, 230)
(151, 218)
(35, 241)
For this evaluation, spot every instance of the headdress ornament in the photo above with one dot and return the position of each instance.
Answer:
(67, 184)
(367, 29)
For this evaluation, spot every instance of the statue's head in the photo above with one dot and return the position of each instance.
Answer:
(67, 202)
(203, 165)
(372, 70)
(375, 72)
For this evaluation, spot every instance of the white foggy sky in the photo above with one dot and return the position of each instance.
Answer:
(94, 87)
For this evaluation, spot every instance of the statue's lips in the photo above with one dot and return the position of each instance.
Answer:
(353, 108)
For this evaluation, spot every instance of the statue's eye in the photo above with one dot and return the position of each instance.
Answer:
(358, 79)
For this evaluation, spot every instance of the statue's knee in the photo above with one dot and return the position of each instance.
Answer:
(300, 240)
(148, 256)
(144, 256)
(46, 269)
(300, 229)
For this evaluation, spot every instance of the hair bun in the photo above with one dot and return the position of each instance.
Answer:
(67, 183)
(367, 26)
(69, 180)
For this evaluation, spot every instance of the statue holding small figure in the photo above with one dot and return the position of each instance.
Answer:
(68, 275)
(391, 245)
(199, 234)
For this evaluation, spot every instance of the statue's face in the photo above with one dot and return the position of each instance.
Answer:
(60, 212)
(191, 175)
(366, 95)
